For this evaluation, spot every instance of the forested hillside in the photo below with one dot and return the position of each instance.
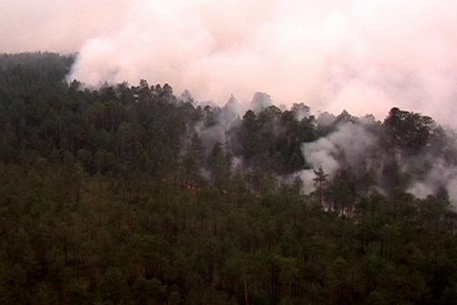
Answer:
(130, 194)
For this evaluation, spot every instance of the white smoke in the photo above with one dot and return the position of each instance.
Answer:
(260, 102)
(222, 120)
(350, 145)
(301, 111)
(58, 25)
(353, 147)
(361, 55)
(440, 176)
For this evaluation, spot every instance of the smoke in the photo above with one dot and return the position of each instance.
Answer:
(215, 126)
(57, 25)
(350, 144)
(301, 111)
(440, 176)
(360, 55)
(357, 148)
(363, 56)
(260, 102)
(348, 147)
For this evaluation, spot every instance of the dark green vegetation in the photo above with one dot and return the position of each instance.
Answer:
(112, 197)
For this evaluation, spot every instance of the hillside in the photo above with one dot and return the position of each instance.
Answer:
(130, 194)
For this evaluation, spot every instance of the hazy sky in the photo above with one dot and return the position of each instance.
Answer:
(361, 55)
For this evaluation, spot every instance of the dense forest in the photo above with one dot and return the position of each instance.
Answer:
(130, 194)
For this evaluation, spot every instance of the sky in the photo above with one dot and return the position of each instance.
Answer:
(364, 56)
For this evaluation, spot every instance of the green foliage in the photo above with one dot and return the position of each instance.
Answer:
(113, 196)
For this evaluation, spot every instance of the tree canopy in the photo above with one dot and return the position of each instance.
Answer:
(129, 194)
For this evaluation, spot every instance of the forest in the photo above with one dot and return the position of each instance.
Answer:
(132, 194)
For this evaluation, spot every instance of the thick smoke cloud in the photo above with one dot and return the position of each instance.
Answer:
(57, 25)
(361, 55)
